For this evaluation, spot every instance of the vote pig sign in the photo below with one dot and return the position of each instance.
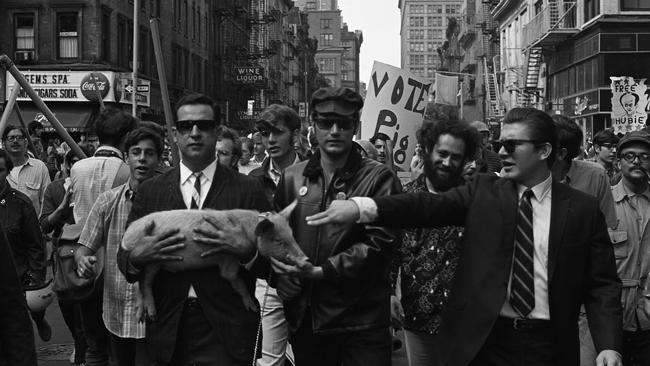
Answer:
(628, 104)
(395, 105)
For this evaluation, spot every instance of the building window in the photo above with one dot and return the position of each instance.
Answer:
(24, 31)
(326, 39)
(592, 9)
(124, 41)
(68, 34)
(325, 23)
(311, 5)
(635, 4)
(326, 64)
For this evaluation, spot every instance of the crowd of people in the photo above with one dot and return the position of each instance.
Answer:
(497, 250)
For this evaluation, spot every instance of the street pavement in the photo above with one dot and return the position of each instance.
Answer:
(57, 351)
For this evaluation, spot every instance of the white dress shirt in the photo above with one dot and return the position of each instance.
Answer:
(187, 188)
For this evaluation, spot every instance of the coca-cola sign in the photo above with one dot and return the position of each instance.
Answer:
(92, 83)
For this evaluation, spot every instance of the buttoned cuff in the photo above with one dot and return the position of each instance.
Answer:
(367, 209)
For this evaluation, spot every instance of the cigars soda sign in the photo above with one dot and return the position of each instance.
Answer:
(66, 86)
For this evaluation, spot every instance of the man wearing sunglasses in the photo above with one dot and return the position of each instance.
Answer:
(337, 302)
(534, 251)
(631, 240)
(201, 318)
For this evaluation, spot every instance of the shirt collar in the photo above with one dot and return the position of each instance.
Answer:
(208, 172)
(541, 190)
(272, 167)
(620, 191)
(110, 148)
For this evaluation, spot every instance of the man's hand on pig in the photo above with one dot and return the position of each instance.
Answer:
(157, 248)
(288, 287)
(229, 238)
(300, 268)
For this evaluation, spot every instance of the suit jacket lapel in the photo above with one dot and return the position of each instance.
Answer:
(222, 175)
(559, 210)
(509, 204)
(174, 187)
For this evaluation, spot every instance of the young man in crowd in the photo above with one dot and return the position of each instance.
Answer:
(427, 258)
(90, 178)
(104, 230)
(35, 130)
(605, 147)
(534, 250)
(278, 125)
(202, 318)
(30, 177)
(487, 161)
(631, 240)
(337, 302)
(228, 147)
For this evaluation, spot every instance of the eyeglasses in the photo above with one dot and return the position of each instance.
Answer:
(203, 125)
(630, 157)
(510, 145)
(341, 123)
(15, 138)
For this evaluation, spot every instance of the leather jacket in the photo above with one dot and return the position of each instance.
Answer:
(355, 291)
(18, 217)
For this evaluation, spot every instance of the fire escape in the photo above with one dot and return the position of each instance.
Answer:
(553, 24)
(489, 38)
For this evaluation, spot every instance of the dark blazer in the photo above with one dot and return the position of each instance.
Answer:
(222, 306)
(581, 266)
(16, 332)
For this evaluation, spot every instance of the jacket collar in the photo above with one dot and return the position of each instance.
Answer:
(314, 169)
(619, 192)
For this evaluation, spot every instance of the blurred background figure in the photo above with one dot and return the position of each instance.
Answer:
(245, 165)
(605, 154)
(384, 147)
(228, 147)
(367, 149)
(486, 160)
(259, 151)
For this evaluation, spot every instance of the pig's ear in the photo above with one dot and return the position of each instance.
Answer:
(287, 210)
(264, 226)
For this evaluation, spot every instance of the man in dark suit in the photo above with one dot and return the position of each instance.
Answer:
(534, 251)
(201, 319)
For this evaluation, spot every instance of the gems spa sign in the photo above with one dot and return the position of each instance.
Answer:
(67, 86)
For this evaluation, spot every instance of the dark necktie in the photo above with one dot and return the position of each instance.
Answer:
(522, 289)
(196, 191)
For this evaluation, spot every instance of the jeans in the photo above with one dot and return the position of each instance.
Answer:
(72, 317)
(127, 352)
(95, 330)
(275, 329)
(353, 348)
(418, 348)
(636, 348)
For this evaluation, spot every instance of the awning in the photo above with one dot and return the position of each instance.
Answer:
(73, 117)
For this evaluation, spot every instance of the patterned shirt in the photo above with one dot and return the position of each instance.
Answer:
(31, 179)
(427, 259)
(93, 176)
(105, 226)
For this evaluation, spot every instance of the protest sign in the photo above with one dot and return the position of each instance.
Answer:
(628, 104)
(395, 105)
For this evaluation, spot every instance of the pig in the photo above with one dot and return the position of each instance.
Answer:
(269, 232)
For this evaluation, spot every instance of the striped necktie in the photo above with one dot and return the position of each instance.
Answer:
(522, 290)
(196, 190)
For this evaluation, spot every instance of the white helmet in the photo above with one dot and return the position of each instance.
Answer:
(39, 297)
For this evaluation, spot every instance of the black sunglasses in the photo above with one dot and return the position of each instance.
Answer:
(511, 145)
(186, 126)
(341, 123)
